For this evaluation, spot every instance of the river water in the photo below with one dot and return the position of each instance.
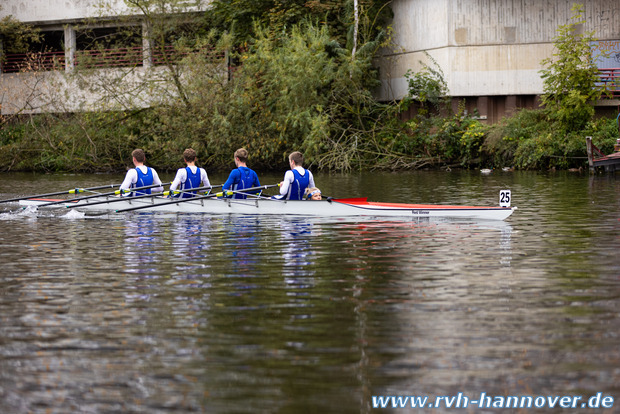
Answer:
(156, 313)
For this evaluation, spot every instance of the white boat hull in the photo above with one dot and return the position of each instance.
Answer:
(264, 206)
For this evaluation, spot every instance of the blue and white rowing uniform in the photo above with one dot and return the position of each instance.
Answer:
(239, 179)
(295, 183)
(141, 176)
(144, 180)
(189, 177)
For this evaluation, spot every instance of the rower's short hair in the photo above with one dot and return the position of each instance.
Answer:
(242, 154)
(297, 157)
(139, 155)
(189, 155)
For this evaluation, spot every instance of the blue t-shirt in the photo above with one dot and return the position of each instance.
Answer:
(240, 178)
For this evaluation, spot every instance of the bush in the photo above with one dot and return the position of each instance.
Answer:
(80, 142)
(528, 141)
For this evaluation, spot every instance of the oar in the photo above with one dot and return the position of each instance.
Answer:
(72, 191)
(183, 200)
(189, 190)
(102, 195)
(165, 193)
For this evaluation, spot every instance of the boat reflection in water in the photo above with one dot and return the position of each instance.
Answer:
(141, 244)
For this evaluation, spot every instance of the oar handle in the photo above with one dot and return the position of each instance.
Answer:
(246, 191)
(191, 190)
(132, 190)
(71, 191)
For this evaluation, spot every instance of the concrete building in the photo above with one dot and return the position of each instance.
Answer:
(490, 51)
(68, 29)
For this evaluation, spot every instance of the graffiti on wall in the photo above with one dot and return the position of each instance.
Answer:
(606, 53)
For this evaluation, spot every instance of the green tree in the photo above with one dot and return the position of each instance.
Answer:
(427, 88)
(571, 81)
(297, 85)
(278, 16)
(301, 91)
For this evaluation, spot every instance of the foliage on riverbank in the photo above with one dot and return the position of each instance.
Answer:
(528, 140)
(103, 142)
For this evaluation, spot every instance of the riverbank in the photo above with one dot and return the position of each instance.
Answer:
(102, 143)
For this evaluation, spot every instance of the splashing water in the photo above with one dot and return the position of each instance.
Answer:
(73, 215)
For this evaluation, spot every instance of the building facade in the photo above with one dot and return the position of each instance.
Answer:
(490, 51)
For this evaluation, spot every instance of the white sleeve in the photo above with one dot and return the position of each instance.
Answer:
(311, 182)
(178, 179)
(156, 180)
(204, 178)
(286, 183)
(130, 178)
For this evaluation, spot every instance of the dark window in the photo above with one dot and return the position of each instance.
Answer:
(109, 47)
(48, 54)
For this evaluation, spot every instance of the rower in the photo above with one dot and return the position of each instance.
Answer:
(190, 176)
(241, 177)
(296, 180)
(140, 176)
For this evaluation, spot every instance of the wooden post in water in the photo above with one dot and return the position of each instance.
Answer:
(590, 153)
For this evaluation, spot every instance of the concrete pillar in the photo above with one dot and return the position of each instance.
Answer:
(511, 104)
(482, 104)
(70, 45)
(147, 50)
(537, 102)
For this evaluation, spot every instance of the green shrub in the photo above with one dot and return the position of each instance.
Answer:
(571, 78)
(528, 141)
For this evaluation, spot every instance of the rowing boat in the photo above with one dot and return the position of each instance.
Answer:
(344, 207)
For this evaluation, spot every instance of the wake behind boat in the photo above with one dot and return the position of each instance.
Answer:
(345, 207)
